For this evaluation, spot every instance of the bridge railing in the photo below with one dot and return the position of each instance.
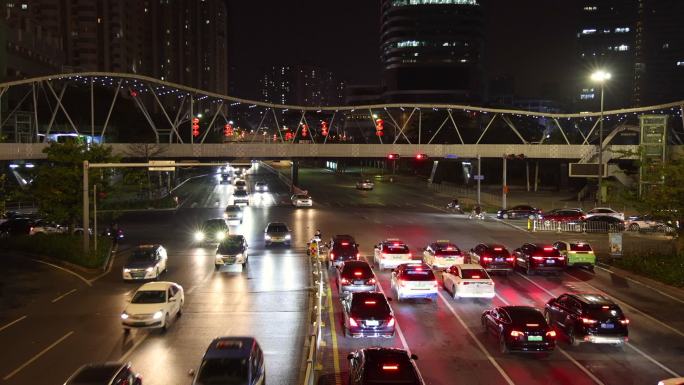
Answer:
(576, 227)
(314, 338)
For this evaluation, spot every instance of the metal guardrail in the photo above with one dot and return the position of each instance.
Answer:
(314, 339)
(574, 227)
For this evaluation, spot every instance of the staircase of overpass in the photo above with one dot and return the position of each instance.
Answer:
(179, 122)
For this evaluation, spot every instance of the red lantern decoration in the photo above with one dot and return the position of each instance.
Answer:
(379, 126)
(324, 128)
(305, 130)
(228, 129)
(288, 136)
(134, 93)
(195, 120)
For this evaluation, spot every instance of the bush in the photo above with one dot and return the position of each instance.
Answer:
(65, 247)
(666, 268)
(139, 204)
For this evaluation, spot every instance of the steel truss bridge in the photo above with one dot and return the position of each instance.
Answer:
(145, 117)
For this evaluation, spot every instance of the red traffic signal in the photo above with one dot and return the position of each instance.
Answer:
(421, 156)
(392, 156)
(195, 120)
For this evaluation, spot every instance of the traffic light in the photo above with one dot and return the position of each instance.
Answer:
(392, 156)
(421, 156)
(305, 130)
(195, 127)
(324, 128)
(379, 126)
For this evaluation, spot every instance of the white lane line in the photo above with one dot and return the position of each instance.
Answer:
(396, 322)
(644, 354)
(664, 294)
(134, 347)
(636, 310)
(536, 284)
(12, 323)
(579, 365)
(479, 344)
(37, 356)
(63, 269)
(63, 295)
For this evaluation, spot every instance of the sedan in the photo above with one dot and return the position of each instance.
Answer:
(383, 366)
(367, 315)
(42, 226)
(233, 214)
(493, 257)
(355, 276)
(520, 211)
(153, 305)
(241, 197)
(365, 184)
(535, 258)
(146, 262)
(277, 232)
(442, 254)
(603, 224)
(212, 231)
(261, 187)
(301, 200)
(562, 215)
(468, 281)
(231, 251)
(414, 281)
(646, 222)
(605, 211)
(117, 373)
(519, 328)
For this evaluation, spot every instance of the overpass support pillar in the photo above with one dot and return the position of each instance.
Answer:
(294, 173)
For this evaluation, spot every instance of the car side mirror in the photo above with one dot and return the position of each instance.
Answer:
(191, 372)
(414, 357)
(350, 356)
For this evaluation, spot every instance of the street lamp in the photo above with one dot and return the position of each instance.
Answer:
(601, 77)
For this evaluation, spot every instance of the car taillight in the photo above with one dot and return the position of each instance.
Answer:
(358, 255)
(390, 367)
(390, 322)
(344, 281)
(332, 255)
(588, 321)
(371, 281)
(358, 273)
(487, 259)
(516, 334)
(624, 321)
(561, 258)
(352, 322)
(510, 259)
(551, 334)
(410, 255)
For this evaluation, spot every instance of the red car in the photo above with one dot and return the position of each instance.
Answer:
(563, 215)
(492, 257)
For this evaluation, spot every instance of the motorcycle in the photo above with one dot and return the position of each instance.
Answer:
(477, 213)
(454, 208)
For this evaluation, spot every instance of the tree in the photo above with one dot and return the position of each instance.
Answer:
(58, 187)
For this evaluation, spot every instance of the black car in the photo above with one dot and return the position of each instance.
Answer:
(16, 226)
(520, 329)
(212, 231)
(372, 366)
(108, 373)
(493, 257)
(603, 224)
(355, 276)
(342, 248)
(232, 360)
(231, 251)
(520, 211)
(535, 258)
(225, 178)
(587, 318)
(367, 315)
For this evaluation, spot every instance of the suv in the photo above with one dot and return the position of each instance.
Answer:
(587, 318)
(537, 257)
(383, 366)
(232, 360)
(240, 197)
(231, 251)
(240, 184)
(367, 315)
(233, 213)
(146, 262)
(342, 248)
(365, 184)
(108, 373)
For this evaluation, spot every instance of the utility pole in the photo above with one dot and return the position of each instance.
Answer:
(600, 154)
(86, 209)
(94, 218)
(479, 179)
(504, 187)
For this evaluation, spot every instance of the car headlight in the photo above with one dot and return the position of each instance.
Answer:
(219, 256)
(267, 237)
(220, 235)
(158, 315)
(288, 236)
(238, 256)
(199, 236)
(126, 270)
(124, 315)
(225, 216)
(149, 269)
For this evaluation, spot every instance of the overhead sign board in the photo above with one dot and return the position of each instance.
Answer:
(162, 165)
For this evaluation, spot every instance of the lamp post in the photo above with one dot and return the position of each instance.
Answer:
(600, 77)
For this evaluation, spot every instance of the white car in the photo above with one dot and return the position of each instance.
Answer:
(365, 184)
(146, 262)
(42, 226)
(261, 187)
(240, 185)
(153, 306)
(442, 254)
(468, 281)
(301, 200)
(414, 281)
(233, 214)
(231, 251)
(648, 223)
(391, 253)
(607, 211)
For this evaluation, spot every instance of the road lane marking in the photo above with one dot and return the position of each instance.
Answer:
(63, 295)
(642, 284)
(477, 341)
(579, 365)
(644, 354)
(333, 334)
(115, 250)
(63, 269)
(37, 356)
(12, 323)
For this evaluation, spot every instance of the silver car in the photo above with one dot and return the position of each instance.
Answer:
(301, 200)
(277, 232)
(365, 184)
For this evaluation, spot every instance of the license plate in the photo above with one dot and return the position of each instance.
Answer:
(499, 260)
(358, 282)
(607, 326)
(397, 257)
(550, 261)
(535, 338)
(372, 323)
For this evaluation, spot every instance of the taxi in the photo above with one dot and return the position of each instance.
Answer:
(442, 254)
(391, 253)
(414, 281)
(577, 253)
(468, 281)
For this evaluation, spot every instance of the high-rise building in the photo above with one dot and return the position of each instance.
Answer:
(431, 50)
(301, 85)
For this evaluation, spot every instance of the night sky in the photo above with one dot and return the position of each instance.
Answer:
(530, 40)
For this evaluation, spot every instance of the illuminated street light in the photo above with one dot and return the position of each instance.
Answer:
(600, 77)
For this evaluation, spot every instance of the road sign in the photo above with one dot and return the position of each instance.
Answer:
(451, 156)
(162, 165)
(478, 177)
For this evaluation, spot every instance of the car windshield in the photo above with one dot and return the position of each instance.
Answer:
(370, 305)
(240, 193)
(233, 209)
(276, 229)
(232, 245)
(223, 371)
(395, 248)
(142, 256)
(474, 274)
(149, 296)
(95, 375)
(527, 316)
(420, 274)
(240, 183)
(215, 224)
(603, 312)
(580, 247)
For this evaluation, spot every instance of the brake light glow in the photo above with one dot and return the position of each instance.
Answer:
(371, 281)
(369, 302)
(486, 259)
(548, 249)
(537, 258)
(498, 249)
(397, 243)
(390, 367)
(510, 259)
(561, 258)
(344, 281)
(624, 321)
(515, 333)
(344, 243)
(605, 307)
(532, 325)
(410, 255)
(588, 321)
(449, 248)
(352, 322)
(418, 269)
(358, 255)
(475, 277)
(332, 255)
(390, 323)
(551, 333)
(358, 273)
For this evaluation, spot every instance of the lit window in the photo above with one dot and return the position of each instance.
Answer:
(622, 30)
(24, 6)
(588, 31)
(590, 8)
(666, 45)
(622, 47)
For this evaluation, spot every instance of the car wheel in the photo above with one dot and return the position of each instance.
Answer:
(529, 271)
(634, 227)
(505, 216)
(453, 292)
(165, 328)
(571, 337)
(216, 267)
(503, 348)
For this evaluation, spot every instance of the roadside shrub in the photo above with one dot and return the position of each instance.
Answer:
(664, 267)
(65, 247)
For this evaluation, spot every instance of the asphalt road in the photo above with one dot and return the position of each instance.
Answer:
(52, 330)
